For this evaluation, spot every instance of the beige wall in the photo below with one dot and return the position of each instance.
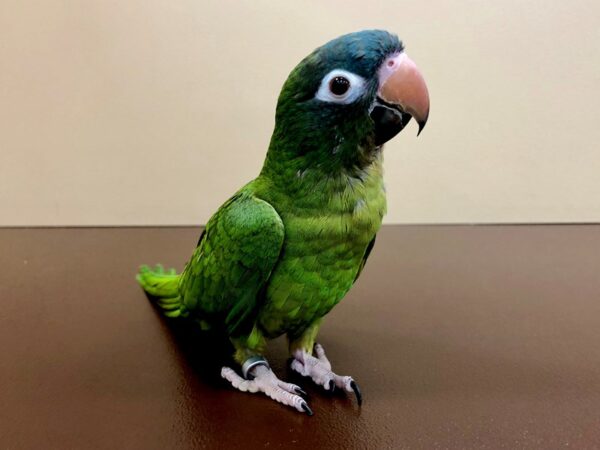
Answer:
(154, 112)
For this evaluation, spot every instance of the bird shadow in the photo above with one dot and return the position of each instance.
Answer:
(204, 352)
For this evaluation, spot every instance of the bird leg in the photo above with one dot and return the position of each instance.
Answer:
(260, 378)
(319, 369)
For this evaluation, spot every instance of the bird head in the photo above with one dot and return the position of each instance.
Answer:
(342, 102)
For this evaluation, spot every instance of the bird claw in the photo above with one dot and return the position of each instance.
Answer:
(331, 386)
(264, 380)
(319, 370)
(357, 392)
(306, 408)
(301, 392)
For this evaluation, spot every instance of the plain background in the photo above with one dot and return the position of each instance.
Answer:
(155, 112)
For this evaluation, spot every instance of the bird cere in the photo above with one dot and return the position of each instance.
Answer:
(285, 249)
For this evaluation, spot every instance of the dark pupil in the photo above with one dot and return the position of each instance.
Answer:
(339, 85)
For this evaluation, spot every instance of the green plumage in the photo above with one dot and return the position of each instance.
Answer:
(287, 247)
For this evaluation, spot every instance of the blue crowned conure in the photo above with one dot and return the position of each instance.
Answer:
(284, 250)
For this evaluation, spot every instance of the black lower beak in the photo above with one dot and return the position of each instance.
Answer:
(389, 120)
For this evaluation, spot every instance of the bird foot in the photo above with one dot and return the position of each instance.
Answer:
(319, 369)
(264, 380)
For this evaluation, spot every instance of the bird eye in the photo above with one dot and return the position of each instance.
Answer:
(339, 85)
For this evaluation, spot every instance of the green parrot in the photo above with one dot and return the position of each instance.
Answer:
(284, 250)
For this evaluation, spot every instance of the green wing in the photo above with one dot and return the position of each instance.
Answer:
(365, 257)
(235, 256)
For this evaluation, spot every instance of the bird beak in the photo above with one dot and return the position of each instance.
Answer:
(402, 94)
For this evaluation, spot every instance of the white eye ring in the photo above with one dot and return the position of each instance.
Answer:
(355, 90)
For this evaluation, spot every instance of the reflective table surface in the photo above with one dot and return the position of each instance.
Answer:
(459, 336)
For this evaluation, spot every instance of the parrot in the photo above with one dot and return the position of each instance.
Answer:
(279, 254)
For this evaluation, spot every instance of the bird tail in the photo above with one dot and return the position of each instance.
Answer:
(163, 288)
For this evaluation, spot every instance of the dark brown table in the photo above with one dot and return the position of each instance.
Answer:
(460, 337)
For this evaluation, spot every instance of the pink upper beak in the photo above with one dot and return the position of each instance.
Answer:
(401, 83)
